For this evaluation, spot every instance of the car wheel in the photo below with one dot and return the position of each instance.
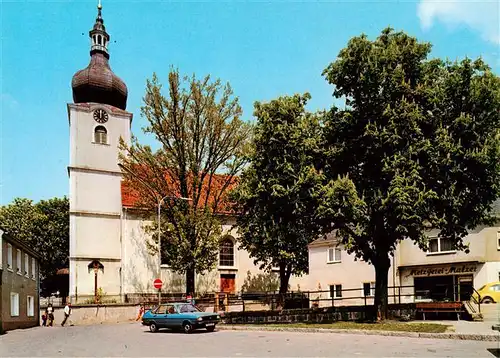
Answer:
(487, 300)
(211, 329)
(186, 326)
(153, 327)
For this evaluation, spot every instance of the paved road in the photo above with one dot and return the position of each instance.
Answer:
(133, 340)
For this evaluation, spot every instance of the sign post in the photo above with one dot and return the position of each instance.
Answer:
(157, 283)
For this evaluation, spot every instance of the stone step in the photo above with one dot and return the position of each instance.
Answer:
(477, 317)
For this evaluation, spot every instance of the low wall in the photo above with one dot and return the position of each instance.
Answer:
(96, 314)
(317, 315)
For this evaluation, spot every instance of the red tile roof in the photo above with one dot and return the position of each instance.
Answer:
(131, 197)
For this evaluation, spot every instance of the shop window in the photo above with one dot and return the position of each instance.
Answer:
(440, 244)
(9, 257)
(14, 304)
(334, 255)
(435, 288)
(335, 291)
(18, 261)
(369, 289)
(31, 306)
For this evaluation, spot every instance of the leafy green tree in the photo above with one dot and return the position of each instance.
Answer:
(261, 282)
(44, 226)
(416, 147)
(277, 220)
(202, 142)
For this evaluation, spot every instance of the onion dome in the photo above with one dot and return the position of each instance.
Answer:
(97, 82)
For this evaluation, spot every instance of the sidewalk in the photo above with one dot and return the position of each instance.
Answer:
(461, 330)
(467, 327)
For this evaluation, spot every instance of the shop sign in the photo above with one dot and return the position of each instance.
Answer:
(447, 270)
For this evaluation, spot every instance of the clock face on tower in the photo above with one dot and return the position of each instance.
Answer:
(100, 116)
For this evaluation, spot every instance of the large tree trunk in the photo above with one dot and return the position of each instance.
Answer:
(382, 265)
(285, 273)
(190, 287)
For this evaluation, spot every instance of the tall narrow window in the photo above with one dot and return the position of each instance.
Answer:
(26, 265)
(226, 253)
(31, 306)
(14, 304)
(100, 135)
(33, 268)
(18, 261)
(9, 256)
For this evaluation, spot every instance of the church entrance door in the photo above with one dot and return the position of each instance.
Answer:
(227, 283)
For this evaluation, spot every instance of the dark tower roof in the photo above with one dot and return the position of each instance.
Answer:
(97, 82)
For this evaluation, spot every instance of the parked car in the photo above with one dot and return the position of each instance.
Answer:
(183, 316)
(489, 293)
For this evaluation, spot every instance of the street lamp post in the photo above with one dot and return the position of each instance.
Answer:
(160, 202)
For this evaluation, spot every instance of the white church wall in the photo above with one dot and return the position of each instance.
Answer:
(97, 192)
(102, 237)
(139, 265)
(108, 281)
(85, 152)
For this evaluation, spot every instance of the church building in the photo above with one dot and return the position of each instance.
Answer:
(108, 243)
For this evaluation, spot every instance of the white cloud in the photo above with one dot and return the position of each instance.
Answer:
(482, 16)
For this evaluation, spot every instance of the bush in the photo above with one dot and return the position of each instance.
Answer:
(262, 282)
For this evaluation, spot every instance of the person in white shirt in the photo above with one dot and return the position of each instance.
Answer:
(67, 312)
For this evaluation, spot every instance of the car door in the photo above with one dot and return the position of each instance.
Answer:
(495, 293)
(160, 316)
(170, 316)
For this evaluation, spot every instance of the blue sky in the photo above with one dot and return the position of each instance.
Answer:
(264, 49)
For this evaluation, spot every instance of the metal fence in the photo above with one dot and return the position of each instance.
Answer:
(259, 301)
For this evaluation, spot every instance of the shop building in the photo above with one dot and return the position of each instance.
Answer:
(446, 274)
(441, 274)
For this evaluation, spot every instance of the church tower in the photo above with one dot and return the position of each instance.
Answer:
(97, 120)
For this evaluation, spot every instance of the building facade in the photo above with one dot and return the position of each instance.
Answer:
(441, 273)
(109, 242)
(20, 282)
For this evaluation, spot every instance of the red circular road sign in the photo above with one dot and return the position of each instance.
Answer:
(157, 283)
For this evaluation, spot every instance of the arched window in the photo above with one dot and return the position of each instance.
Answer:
(99, 39)
(100, 135)
(226, 253)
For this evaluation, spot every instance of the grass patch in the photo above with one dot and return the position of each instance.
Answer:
(378, 326)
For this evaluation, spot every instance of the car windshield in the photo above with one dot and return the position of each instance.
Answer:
(188, 308)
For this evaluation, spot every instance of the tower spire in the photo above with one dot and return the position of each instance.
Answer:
(97, 83)
(99, 8)
(98, 35)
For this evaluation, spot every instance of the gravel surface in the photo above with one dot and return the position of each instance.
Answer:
(134, 340)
